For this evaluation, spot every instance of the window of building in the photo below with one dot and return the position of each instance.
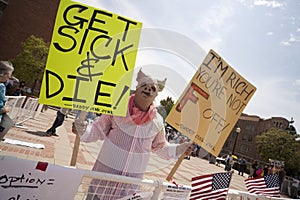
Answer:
(250, 138)
(248, 150)
(245, 137)
(244, 149)
(278, 124)
(248, 127)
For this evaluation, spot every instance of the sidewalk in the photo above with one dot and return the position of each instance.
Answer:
(58, 151)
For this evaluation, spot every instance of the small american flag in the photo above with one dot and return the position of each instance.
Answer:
(211, 186)
(267, 185)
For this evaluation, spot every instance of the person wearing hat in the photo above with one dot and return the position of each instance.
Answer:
(129, 141)
(6, 70)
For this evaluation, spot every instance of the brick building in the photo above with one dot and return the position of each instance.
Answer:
(21, 19)
(251, 126)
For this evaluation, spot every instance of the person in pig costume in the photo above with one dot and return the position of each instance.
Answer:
(128, 141)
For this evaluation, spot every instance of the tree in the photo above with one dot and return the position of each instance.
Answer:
(291, 129)
(166, 106)
(30, 63)
(280, 145)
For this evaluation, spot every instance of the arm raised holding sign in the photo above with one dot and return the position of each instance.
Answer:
(129, 141)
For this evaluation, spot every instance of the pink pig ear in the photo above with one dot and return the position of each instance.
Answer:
(143, 78)
(161, 84)
(140, 76)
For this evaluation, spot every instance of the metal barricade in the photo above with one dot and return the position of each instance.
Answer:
(22, 108)
(15, 104)
(148, 189)
(28, 110)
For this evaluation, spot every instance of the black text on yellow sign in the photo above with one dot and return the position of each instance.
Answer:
(209, 107)
(91, 60)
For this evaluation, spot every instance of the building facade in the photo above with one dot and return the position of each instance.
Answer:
(3, 5)
(244, 143)
(21, 19)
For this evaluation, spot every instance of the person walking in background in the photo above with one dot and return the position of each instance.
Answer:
(242, 166)
(228, 162)
(266, 170)
(253, 169)
(281, 175)
(6, 70)
(59, 120)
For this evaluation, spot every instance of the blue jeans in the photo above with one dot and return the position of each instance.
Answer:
(58, 122)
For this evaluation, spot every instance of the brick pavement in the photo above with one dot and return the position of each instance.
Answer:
(58, 150)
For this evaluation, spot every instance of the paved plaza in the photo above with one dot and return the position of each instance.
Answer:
(58, 151)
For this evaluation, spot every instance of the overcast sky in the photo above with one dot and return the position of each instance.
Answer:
(260, 39)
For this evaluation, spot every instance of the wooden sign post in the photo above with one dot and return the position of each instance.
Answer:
(82, 117)
(174, 169)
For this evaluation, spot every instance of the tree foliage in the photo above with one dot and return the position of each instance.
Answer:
(280, 145)
(291, 129)
(30, 63)
(166, 106)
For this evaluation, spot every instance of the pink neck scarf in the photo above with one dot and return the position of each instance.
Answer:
(138, 116)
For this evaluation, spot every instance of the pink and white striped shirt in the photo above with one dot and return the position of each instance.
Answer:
(127, 145)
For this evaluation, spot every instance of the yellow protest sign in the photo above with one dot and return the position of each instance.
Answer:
(210, 106)
(91, 60)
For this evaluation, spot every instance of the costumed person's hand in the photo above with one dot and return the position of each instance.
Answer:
(184, 148)
(79, 126)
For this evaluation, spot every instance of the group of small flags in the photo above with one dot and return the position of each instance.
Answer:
(215, 186)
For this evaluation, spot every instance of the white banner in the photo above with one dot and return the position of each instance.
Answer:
(23, 179)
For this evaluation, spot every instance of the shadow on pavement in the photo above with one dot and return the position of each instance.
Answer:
(39, 133)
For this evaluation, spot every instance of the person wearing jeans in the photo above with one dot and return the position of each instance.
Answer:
(59, 120)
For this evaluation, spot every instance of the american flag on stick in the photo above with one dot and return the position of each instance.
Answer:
(211, 186)
(266, 186)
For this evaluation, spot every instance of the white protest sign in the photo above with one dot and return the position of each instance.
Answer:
(28, 180)
(176, 192)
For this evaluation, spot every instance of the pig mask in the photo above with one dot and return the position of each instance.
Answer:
(149, 85)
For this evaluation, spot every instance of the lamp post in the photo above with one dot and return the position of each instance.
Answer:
(237, 130)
